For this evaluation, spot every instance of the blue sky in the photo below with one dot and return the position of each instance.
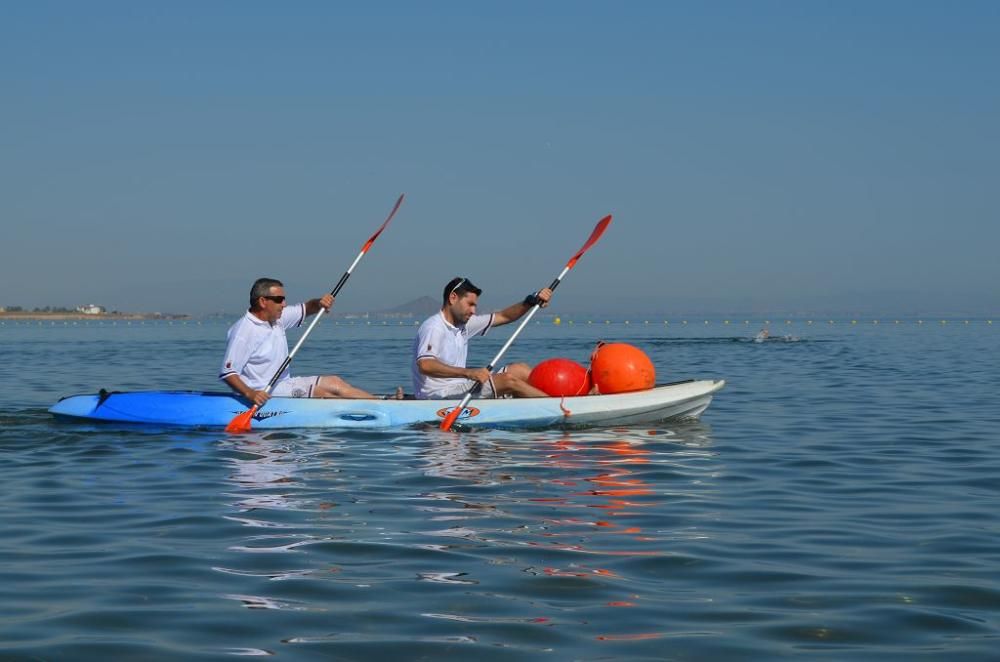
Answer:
(757, 156)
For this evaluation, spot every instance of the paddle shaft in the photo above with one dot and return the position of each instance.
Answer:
(291, 355)
(241, 422)
(594, 236)
(496, 359)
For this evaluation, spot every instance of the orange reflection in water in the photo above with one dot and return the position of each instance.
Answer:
(604, 467)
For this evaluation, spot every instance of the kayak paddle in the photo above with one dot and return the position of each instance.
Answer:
(241, 422)
(599, 229)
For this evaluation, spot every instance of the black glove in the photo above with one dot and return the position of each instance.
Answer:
(531, 300)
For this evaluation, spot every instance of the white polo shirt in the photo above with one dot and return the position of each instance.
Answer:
(257, 348)
(449, 344)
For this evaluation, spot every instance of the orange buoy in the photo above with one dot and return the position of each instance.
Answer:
(559, 377)
(620, 368)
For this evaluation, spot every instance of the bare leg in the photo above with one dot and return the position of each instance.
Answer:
(519, 371)
(331, 386)
(514, 380)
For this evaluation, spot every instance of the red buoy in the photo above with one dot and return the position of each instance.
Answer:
(559, 377)
(620, 368)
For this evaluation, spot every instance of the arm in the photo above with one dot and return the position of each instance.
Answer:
(313, 306)
(434, 368)
(517, 310)
(238, 385)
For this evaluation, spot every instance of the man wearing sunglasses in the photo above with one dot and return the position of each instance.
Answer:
(441, 347)
(257, 347)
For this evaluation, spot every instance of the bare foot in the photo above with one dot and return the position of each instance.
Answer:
(398, 395)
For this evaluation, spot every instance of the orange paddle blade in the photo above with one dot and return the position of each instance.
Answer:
(241, 422)
(599, 229)
(371, 240)
(449, 420)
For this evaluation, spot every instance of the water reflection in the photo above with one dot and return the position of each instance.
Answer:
(466, 457)
(264, 471)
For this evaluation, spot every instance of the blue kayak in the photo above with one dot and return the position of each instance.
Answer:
(683, 400)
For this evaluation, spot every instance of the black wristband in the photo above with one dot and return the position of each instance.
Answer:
(532, 299)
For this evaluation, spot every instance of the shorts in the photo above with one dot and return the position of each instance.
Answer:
(458, 390)
(295, 387)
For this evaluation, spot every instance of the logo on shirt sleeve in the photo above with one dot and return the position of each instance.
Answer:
(428, 347)
(229, 364)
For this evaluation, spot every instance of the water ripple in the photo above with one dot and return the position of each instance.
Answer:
(838, 500)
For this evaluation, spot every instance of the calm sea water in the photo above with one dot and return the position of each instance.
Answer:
(840, 499)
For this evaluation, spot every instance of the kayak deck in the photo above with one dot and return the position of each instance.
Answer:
(682, 400)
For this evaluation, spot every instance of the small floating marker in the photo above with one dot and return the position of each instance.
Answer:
(989, 321)
(666, 322)
(557, 321)
(706, 321)
(897, 321)
(874, 321)
(787, 322)
(647, 322)
(684, 322)
(590, 321)
(571, 321)
(831, 322)
(809, 322)
(944, 321)
(966, 321)
(627, 322)
(920, 321)
(854, 321)
(726, 322)
(607, 321)
(746, 322)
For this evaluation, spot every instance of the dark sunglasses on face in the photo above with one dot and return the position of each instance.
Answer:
(277, 298)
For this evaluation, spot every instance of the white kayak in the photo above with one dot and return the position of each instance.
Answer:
(682, 400)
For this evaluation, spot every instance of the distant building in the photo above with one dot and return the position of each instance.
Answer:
(91, 309)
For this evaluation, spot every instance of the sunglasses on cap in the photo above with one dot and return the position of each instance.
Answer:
(460, 284)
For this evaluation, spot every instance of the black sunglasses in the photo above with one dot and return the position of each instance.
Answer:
(277, 298)
(460, 284)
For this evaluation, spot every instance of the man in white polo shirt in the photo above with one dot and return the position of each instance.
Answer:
(257, 347)
(441, 347)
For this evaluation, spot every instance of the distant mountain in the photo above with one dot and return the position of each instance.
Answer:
(422, 307)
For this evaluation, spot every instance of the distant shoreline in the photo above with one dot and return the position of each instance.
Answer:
(66, 316)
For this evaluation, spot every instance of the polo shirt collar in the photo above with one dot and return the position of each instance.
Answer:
(448, 325)
(256, 320)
